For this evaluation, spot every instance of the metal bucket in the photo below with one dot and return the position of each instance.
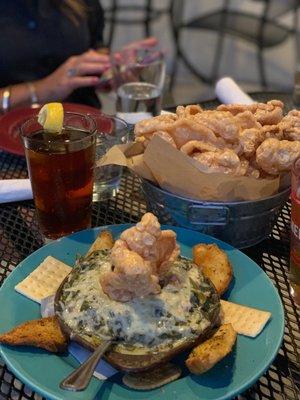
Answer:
(242, 224)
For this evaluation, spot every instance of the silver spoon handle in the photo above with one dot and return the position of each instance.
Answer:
(80, 378)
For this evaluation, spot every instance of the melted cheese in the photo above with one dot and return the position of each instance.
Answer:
(150, 321)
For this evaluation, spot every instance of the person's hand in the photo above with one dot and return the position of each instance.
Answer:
(77, 71)
(130, 50)
(141, 44)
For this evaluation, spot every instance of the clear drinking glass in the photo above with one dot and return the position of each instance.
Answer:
(139, 77)
(110, 131)
(295, 233)
(61, 173)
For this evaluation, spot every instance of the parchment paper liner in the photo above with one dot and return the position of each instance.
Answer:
(180, 174)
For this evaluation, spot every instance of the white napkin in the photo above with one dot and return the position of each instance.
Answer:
(15, 190)
(228, 91)
(103, 369)
(134, 117)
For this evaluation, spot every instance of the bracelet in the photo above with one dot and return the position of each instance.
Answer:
(33, 95)
(6, 99)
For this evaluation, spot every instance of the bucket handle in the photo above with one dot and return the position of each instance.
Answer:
(208, 215)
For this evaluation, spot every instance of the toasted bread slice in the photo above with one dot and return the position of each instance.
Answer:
(44, 333)
(215, 265)
(210, 352)
(103, 241)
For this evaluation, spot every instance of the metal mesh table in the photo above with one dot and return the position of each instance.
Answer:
(19, 237)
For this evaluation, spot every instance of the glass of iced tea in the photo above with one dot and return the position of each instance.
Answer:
(295, 233)
(61, 172)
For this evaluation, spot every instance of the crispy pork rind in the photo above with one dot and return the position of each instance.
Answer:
(249, 141)
(187, 173)
(163, 134)
(195, 146)
(235, 109)
(221, 161)
(273, 132)
(185, 130)
(159, 123)
(166, 136)
(290, 125)
(212, 159)
(188, 111)
(269, 113)
(221, 123)
(246, 120)
(275, 156)
(238, 128)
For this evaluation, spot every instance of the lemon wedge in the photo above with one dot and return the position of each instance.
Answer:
(51, 117)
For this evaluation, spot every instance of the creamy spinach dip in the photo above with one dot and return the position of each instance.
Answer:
(183, 310)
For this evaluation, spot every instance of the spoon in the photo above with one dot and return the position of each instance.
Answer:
(80, 378)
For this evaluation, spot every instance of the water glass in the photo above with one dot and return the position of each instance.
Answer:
(295, 233)
(110, 131)
(139, 77)
(61, 173)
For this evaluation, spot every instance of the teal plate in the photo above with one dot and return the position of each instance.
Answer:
(43, 371)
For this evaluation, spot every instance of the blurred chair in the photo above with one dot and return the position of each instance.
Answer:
(119, 13)
(264, 31)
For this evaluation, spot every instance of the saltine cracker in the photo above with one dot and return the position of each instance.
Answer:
(245, 320)
(44, 280)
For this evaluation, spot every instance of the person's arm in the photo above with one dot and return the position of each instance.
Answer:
(76, 72)
(26, 93)
(13, 96)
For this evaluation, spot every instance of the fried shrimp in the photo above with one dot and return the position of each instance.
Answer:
(151, 243)
(140, 258)
(142, 237)
(132, 276)
(167, 251)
